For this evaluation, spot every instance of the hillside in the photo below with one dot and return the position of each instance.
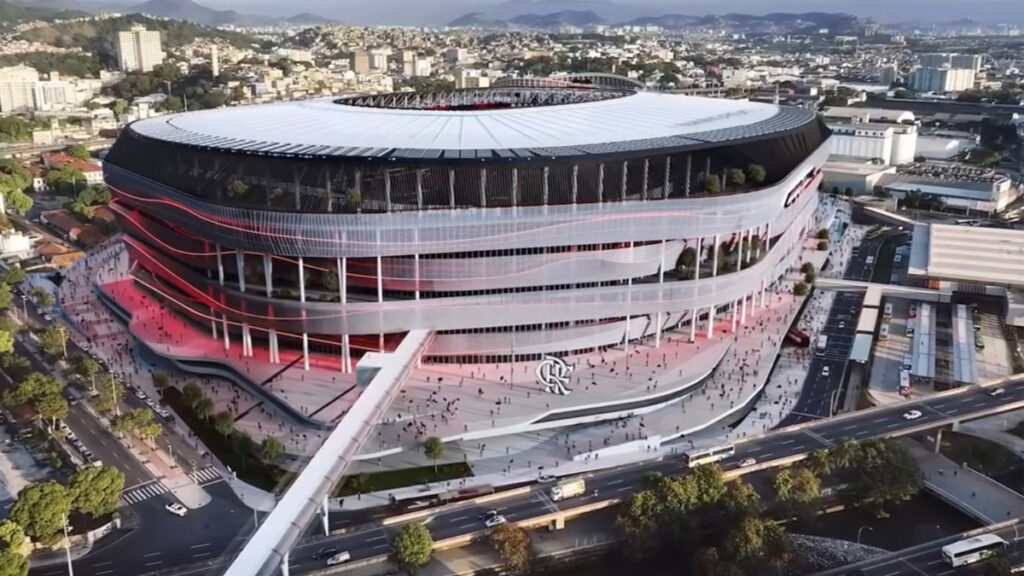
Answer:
(562, 18)
(477, 20)
(99, 37)
(189, 11)
(11, 13)
(774, 22)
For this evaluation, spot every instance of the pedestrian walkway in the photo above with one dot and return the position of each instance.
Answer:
(207, 476)
(143, 492)
(969, 491)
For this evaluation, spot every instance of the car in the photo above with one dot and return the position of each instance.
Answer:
(140, 394)
(912, 415)
(150, 403)
(339, 558)
(176, 509)
(747, 462)
(495, 521)
(913, 311)
(63, 427)
(71, 436)
(325, 552)
(545, 478)
(825, 371)
(488, 515)
(47, 317)
(842, 324)
(996, 392)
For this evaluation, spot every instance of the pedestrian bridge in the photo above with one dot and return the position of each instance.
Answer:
(890, 290)
(267, 549)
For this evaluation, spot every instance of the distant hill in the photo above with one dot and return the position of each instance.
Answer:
(477, 20)
(11, 13)
(99, 36)
(190, 11)
(561, 18)
(308, 19)
(780, 22)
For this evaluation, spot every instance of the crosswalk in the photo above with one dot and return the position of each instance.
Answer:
(144, 492)
(203, 477)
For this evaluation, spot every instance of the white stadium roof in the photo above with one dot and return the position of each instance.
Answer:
(982, 255)
(326, 127)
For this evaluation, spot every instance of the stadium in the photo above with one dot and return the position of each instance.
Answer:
(524, 220)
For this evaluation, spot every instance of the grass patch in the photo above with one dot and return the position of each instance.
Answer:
(980, 454)
(392, 479)
(236, 451)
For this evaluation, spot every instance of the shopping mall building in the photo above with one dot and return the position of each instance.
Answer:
(516, 222)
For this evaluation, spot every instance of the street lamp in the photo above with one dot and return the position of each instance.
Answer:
(67, 547)
(861, 529)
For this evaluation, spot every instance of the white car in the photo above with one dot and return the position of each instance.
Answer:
(825, 371)
(339, 558)
(996, 392)
(496, 520)
(545, 478)
(912, 415)
(176, 509)
(747, 462)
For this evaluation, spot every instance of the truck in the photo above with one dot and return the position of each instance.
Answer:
(568, 489)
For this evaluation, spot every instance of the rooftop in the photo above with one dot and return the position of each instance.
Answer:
(981, 255)
(365, 127)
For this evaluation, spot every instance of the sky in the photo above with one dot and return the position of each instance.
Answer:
(436, 12)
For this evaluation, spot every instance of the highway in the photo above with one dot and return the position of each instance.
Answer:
(373, 539)
(927, 559)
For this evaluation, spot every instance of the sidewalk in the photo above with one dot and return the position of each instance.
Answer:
(974, 493)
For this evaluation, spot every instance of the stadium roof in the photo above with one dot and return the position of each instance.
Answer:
(329, 127)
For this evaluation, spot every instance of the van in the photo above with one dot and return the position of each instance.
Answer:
(339, 558)
(897, 259)
(883, 333)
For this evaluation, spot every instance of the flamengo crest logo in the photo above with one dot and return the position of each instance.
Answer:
(554, 373)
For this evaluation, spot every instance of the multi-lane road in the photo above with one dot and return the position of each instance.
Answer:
(374, 539)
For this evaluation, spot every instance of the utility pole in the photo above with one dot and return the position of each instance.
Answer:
(67, 547)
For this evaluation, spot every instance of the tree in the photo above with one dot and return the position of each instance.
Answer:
(810, 277)
(42, 297)
(413, 546)
(845, 453)
(18, 202)
(756, 545)
(433, 448)
(796, 489)
(66, 179)
(191, 393)
(6, 342)
(96, 490)
(238, 189)
(52, 341)
(808, 267)
(12, 537)
(15, 366)
(512, 544)
(160, 382)
(224, 423)
(6, 296)
(41, 510)
(820, 462)
(271, 449)
(822, 245)
(800, 289)
(52, 407)
(755, 174)
(139, 422)
(741, 500)
(14, 275)
(32, 387)
(884, 473)
(86, 367)
(822, 234)
(735, 178)
(638, 522)
(78, 151)
(687, 257)
(12, 563)
(203, 408)
(109, 392)
(710, 185)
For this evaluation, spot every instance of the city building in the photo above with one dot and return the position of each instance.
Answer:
(873, 133)
(138, 49)
(17, 88)
(942, 80)
(422, 66)
(471, 78)
(92, 172)
(956, 185)
(456, 56)
(379, 59)
(948, 60)
(214, 61)
(361, 62)
(53, 94)
(526, 220)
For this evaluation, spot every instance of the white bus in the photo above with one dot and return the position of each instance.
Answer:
(695, 458)
(821, 345)
(973, 549)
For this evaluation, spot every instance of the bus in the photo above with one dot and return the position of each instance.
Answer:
(973, 549)
(821, 345)
(904, 383)
(695, 458)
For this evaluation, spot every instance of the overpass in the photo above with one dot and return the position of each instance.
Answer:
(382, 375)
(890, 290)
(777, 448)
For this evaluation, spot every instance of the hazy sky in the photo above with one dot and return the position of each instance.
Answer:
(420, 12)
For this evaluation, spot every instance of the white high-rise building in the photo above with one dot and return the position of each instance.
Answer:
(942, 80)
(422, 66)
(53, 95)
(17, 88)
(214, 62)
(471, 78)
(138, 49)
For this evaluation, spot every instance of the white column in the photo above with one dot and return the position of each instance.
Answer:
(693, 325)
(302, 298)
(240, 267)
(346, 357)
(666, 184)
(768, 237)
(220, 265)
(515, 187)
(750, 242)
(483, 187)
(689, 169)
(325, 516)
(661, 282)
(451, 188)
(625, 175)
(268, 282)
(643, 185)
(764, 284)
(600, 183)
(380, 297)
(743, 311)
(711, 321)
(735, 314)
(284, 564)
(575, 182)
(387, 190)
(213, 323)
(547, 172)
(697, 259)
(714, 255)
(224, 329)
(416, 274)
(419, 189)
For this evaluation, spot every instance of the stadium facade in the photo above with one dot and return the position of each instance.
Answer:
(524, 220)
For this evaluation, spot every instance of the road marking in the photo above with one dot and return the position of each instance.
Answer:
(150, 554)
(946, 572)
(877, 420)
(100, 573)
(850, 427)
(379, 546)
(375, 538)
(893, 573)
(467, 525)
(200, 545)
(933, 562)
(98, 564)
(616, 481)
(893, 425)
(624, 488)
(457, 518)
(754, 449)
(157, 563)
(787, 442)
(198, 554)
